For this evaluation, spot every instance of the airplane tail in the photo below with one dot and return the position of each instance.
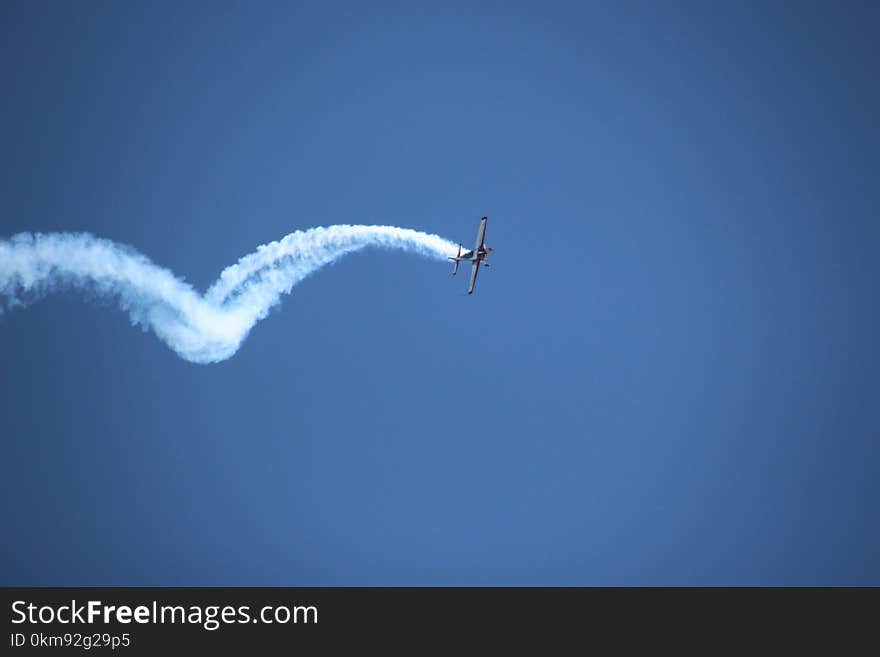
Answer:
(457, 261)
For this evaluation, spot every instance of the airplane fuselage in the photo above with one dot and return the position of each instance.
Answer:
(482, 254)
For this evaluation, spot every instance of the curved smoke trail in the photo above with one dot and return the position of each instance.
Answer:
(200, 328)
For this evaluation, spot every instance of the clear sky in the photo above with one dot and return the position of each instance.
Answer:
(669, 375)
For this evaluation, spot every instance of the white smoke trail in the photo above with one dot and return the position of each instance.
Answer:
(200, 328)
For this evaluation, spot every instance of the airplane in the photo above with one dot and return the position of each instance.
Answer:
(479, 254)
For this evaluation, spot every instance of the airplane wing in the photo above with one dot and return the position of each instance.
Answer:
(481, 234)
(474, 269)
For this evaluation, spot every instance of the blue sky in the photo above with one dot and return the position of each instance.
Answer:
(669, 376)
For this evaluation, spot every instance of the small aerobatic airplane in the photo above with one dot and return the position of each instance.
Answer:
(478, 255)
